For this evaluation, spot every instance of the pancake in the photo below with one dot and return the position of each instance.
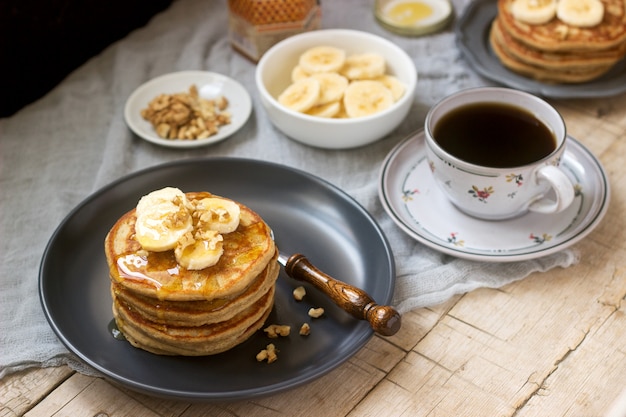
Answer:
(587, 61)
(204, 340)
(197, 312)
(556, 52)
(247, 251)
(164, 308)
(549, 73)
(558, 36)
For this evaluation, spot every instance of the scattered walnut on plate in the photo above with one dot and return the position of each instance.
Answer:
(299, 293)
(186, 116)
(268, 354)
(305, 329)
(275, 330)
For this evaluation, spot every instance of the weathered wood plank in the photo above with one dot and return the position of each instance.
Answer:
(591, 378)
(334, 394)
(87, 396)
(605, 110)
(21, 391)
(497, 348)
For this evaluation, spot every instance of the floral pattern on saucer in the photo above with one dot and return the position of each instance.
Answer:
(415, 203)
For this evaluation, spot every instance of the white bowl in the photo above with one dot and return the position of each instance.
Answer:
(273, 75)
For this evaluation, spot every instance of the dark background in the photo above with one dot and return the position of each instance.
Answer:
(42, 41)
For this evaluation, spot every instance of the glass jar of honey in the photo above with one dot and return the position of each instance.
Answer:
(256, 25)
(413, 17)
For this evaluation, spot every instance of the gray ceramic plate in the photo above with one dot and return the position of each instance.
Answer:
(472, 36)
(307, 215)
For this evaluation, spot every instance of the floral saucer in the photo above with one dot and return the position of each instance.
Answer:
(415, 203)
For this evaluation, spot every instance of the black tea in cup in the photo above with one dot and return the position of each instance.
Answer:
(494, 135)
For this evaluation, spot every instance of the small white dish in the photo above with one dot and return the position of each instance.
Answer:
(413, 17)
(415, 203)
(210, 85)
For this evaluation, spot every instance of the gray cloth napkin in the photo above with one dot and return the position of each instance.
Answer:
(59, 150)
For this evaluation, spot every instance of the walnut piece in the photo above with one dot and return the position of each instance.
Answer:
(275, 330)
(186, 116)
(299, 293)
(305, 329)
(316, 312)
(268, 354)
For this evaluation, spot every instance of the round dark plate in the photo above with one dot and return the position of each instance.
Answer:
(472, 36)
(306, 214)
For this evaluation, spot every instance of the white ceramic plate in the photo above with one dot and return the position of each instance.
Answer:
(210, 85)
(415, 203)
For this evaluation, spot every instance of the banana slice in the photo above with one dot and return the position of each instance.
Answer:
(581, 13)
(200, 252)
(297, 74)
(342, 114)
(217, 214)
(534, 12)
(325, 110)
(322, 59)
(363, 66)
(332, 87)
(396, 86)
(363, 98)
(301, 95)
(163, 217)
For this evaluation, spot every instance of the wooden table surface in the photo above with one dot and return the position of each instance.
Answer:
(553, 344)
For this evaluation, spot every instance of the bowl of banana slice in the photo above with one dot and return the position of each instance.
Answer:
(336, 88)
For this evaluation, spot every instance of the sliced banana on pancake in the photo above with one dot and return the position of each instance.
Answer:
(301, 95)
(534, 12)
(163, 217)
(363, 66)
(363, 98)
(218, 214)
(199, 251)
(580, 13)
(322, 59)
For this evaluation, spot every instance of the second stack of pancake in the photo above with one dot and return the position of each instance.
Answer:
(163, 308)
(558, 52)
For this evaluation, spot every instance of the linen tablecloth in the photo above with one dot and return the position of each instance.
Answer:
(57, 151)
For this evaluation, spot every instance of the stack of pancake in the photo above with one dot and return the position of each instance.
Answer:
(163, 308)
(556, 51)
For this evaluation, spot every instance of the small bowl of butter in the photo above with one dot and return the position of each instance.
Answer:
(413, 17)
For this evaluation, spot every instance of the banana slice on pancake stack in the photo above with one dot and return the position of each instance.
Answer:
(560, 41)
(327, 82)
(167, 220)
(534, 12)
(578, 13)
(191, 273)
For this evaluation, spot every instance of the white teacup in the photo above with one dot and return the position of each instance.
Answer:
(485, 186)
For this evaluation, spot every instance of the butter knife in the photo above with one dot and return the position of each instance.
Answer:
(384, 320)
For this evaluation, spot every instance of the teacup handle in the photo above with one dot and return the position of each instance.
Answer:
(563, 190)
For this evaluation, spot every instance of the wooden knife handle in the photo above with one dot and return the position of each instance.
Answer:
(385, 320)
